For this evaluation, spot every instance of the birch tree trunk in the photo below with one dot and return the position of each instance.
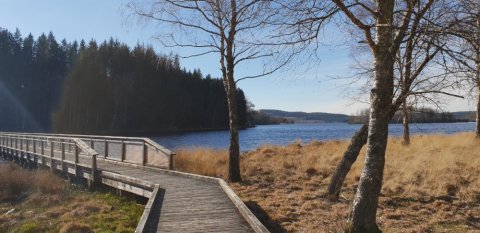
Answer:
(348, 159)
(478, 73)
(406, 121)
(477, 132)
(231, 92)
(234, 148)
(363, 215)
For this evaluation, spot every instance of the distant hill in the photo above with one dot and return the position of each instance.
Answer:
(322, 117)
(465, 115)
(305, 117)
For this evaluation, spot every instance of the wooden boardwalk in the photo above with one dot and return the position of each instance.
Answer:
(179, 202)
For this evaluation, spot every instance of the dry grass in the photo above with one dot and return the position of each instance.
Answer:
(201, 161)
(15, 181)
(76, 228)
(433, 185)
(38, 201)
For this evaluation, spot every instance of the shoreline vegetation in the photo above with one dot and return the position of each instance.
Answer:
(419, 115)
(39, 201)
(433, 185)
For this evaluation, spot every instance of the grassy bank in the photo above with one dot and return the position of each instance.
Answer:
(38, 201)
(433, 185)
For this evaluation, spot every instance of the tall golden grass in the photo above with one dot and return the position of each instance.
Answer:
(15, 181)
(289, 182)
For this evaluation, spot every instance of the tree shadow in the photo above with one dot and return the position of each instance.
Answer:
(270, 224)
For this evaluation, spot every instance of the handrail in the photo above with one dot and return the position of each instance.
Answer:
(146, 140)
(62, 140)
(84, 147)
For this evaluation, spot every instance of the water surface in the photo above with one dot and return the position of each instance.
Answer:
(283, 134)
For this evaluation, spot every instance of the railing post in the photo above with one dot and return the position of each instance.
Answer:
(170, 161)
(34, 146)
(144, 154)
(62, 145)
(77, 152)
(52, 148)
(35, 157)
(21, 152)
(16, 149)
(123, 151)
(92, 144)
(42, 150)
(106, 149)
(93, 177)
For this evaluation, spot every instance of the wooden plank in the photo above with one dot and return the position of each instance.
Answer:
(189, 203)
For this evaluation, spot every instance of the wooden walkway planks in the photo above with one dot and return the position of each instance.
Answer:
(186, 203)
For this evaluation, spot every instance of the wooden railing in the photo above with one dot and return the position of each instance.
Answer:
(76, 156)
(142, 151)
(51, 152)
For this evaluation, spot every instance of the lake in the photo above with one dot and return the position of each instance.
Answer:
(252, 138)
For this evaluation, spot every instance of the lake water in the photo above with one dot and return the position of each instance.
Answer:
(283, 134)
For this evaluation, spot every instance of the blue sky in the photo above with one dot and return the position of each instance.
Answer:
(294, 89)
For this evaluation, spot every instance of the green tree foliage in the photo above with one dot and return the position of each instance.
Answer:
(31, 77)
(85, 87)
(115, 89)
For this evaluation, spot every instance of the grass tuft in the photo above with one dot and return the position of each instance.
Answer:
(76, 228)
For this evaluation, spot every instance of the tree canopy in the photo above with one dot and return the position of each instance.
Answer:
(104, 88)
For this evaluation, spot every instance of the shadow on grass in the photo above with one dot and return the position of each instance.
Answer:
(271, 225)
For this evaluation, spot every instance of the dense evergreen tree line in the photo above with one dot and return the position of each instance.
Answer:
(32, 72)
(108, 88)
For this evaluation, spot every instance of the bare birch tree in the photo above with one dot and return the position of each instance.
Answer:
(464, 48)
(423, 42)
(238, 31)
(385, 25)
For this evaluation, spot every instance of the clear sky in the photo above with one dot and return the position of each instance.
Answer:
(295, 89)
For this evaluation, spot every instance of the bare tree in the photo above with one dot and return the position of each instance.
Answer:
(385, 26)
(415, 54)
(464, 48)
(238, 31)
